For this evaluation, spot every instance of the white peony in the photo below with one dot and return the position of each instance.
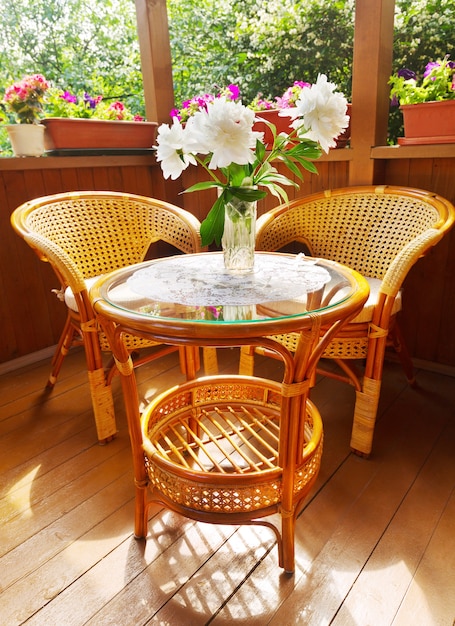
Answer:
(219, 137)
(172, 150)
(319, 113)
(224, 130)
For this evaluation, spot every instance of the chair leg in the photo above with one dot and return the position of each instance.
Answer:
(365, 411)
(100, 388)
(103, 405)
(246, 365)
(210, 360)
(65, 342)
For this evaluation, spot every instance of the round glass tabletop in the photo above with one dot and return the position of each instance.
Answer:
(197, 288)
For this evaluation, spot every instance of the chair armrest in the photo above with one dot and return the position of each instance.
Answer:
(63, 265)
(409, 255)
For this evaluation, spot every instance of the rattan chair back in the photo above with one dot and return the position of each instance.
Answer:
(104, 231)
(89, 233)
(365, 228)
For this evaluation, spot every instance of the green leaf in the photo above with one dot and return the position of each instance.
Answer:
(235, 174)
(209, 184)
(309, 149)
(308, 165)
(277, 191)
(213, 226)
(277, 179)
(248, 194)
(260, 151)
(291, 165)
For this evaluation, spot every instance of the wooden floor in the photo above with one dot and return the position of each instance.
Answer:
(375, 542)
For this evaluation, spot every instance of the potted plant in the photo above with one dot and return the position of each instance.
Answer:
(428, 106)
(220, 137)
(81, 122)
(23, 102)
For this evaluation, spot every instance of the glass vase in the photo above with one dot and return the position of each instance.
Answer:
(239, 235)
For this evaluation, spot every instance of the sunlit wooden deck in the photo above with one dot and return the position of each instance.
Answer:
(375, 542)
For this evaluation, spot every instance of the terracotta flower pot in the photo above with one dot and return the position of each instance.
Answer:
(428, 122)
(271, 115)
(67, 133)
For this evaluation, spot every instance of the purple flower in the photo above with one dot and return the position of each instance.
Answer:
(406, 74)
(92, 102)
(432, 65)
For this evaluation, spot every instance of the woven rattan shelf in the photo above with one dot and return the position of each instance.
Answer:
(215, 445)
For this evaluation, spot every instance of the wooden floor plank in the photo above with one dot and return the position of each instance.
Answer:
(219, 577)
(61, 501)
(41, 590)
(388, 476)
(110, 575)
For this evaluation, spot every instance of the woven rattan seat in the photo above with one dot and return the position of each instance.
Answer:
(84, 235)
(380, 232)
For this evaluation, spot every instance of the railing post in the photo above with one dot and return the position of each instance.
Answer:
(153, 34)
(372, 66)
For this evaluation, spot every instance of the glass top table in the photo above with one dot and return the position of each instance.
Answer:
(193, 297)
(227, 448)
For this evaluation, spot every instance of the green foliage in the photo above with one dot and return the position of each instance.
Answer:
(435, 85)
(79, 45)
(260, 45)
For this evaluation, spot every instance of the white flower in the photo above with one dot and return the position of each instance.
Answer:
(320, 113)
(172, 151)
(224, 130)
(220, 138)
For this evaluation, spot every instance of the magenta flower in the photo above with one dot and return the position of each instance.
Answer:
(69, 97)
(432, 65)
(200, 103)
(291, 95)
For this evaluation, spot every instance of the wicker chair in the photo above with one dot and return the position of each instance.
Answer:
(85, 234)
(380, 232)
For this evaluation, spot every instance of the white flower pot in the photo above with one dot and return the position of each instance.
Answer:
(26, 139)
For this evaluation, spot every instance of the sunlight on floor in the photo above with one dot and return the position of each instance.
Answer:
(19, 494)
